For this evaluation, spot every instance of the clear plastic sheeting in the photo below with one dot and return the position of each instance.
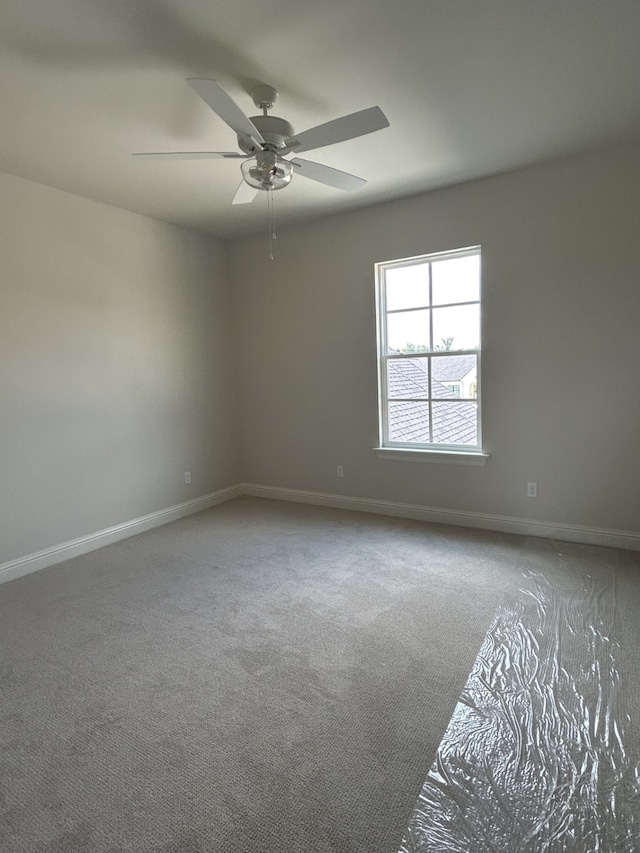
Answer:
(534, 759)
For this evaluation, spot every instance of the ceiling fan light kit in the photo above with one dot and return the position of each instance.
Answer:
(267, 171)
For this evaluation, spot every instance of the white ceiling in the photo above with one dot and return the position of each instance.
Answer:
(471, 87)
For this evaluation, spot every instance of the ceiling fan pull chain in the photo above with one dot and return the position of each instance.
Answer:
(272, 227)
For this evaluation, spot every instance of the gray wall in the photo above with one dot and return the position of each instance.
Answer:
(115, 367)
(119, 366)
(561, 311)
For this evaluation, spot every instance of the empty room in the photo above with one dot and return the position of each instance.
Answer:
(320, 426)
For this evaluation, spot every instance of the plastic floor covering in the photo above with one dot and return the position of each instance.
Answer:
(534, 757)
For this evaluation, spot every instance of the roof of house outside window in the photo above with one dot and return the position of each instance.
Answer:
(452, 368)
(453, 422)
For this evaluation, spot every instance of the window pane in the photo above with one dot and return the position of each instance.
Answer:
(456, 280)
(408, 331)
(456, 328)
(455, 423)
(454, 376)
(409, 422)
(407, 287)
(407, 377)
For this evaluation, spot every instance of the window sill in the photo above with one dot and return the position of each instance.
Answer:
(447, 457)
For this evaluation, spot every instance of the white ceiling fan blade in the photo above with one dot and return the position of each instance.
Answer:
(245, 194)
(328, 175)
(339, 130)
(215, 97)
(190, 155)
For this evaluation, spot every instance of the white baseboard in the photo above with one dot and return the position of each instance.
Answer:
(546, 529)
(42, 559)
(625, 539)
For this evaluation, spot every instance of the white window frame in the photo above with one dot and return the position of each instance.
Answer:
(424, 451)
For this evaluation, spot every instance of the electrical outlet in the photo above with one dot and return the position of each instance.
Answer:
(340, 471)
(532, 490)
(187, 478)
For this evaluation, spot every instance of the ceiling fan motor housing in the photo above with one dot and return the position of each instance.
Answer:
(275, 131)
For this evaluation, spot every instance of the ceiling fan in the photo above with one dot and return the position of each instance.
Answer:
(266, 140)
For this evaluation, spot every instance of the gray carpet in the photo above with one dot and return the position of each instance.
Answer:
(258, 677)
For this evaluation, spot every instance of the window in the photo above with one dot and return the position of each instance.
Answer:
(429, 352)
